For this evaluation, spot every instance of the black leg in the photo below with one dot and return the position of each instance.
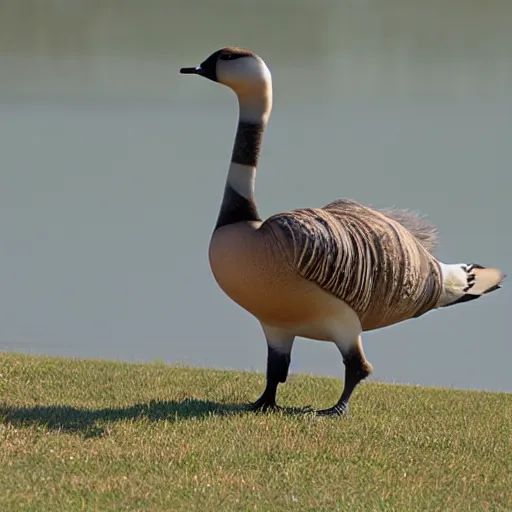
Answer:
(277, 372)
(357, 368)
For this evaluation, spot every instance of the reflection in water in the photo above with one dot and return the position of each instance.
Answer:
(113, 167)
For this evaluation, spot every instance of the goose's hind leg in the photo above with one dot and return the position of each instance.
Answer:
(357, 368)
(278, 362)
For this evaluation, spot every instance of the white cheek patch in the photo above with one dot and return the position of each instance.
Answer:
(243, 73)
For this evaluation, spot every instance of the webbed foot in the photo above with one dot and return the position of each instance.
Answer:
(263, 405)
(340, 409)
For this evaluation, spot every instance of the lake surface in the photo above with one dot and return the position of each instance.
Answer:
(113, 166)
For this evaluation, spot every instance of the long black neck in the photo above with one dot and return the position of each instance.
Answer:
(238, 203)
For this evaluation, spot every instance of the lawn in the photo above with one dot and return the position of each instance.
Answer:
(108, 436)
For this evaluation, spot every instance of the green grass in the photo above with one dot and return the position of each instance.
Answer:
(102, 436)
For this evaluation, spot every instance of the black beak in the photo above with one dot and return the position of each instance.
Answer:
(207, 68)
(191, 71)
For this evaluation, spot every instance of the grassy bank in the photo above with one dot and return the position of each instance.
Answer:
(91, 435)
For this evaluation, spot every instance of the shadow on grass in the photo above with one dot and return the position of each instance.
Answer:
(89, 422)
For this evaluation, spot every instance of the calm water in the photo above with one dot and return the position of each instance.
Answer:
(113, 167)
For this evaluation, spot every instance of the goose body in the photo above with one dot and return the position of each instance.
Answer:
(326, 273)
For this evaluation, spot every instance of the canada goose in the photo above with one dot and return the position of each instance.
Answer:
(326, 273)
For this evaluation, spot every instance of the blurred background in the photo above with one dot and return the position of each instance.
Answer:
(113, 167)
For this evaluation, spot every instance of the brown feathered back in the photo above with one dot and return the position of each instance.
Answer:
(415, 223)
(367, 259)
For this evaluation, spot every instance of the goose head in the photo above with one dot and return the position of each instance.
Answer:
(237, 68)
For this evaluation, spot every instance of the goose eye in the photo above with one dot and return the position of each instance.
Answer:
(229, 56)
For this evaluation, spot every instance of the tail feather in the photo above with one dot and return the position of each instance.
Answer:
(463, 283)
(486, 280)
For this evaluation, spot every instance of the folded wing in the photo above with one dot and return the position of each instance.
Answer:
(364, 257)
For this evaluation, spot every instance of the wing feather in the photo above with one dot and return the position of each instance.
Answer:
(365, 257)
(424, 230)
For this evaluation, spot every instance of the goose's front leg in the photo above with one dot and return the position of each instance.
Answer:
(279, 344)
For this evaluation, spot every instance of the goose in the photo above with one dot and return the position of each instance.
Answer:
(325, 274)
